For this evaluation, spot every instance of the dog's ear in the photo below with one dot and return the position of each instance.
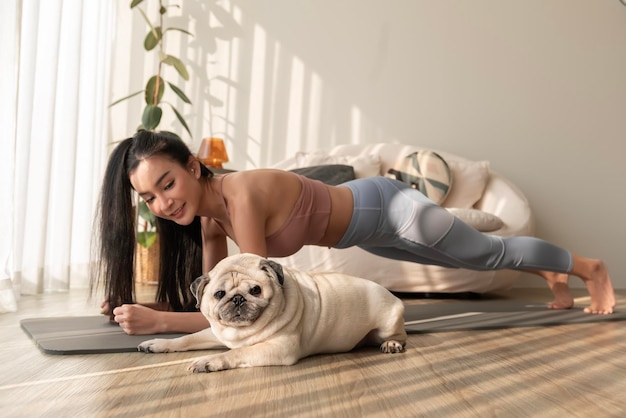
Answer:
(274, 268)
(197, 286)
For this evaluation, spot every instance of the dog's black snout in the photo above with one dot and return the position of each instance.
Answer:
(238, 300)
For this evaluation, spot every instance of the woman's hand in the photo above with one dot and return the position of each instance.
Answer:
(137, 319)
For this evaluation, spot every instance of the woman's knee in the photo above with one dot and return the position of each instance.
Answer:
(428, 224)
(472, 249)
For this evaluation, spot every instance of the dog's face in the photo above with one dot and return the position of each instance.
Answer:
(238, 290)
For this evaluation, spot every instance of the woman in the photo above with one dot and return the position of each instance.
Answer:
(273, 213)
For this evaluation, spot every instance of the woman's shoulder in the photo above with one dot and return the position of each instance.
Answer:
(261, 171)
(259, 176)
(260, 182)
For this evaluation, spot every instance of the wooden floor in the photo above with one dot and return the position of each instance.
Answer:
(572, 371)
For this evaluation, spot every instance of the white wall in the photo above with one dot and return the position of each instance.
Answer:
(537, 87)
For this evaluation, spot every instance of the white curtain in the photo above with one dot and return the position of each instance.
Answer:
(53, 108)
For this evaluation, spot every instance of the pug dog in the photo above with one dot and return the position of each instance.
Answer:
(269, 315)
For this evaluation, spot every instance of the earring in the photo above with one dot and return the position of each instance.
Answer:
(193, 171)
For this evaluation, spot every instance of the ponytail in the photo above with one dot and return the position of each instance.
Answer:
(115, 237)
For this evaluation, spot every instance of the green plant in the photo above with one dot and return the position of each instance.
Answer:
(154, 92)
(155, 87)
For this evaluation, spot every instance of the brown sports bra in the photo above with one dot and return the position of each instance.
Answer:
(306, 224)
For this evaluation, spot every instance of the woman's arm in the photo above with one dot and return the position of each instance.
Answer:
(249, 218)
(184, 322)
(136, 319)
(214, 246)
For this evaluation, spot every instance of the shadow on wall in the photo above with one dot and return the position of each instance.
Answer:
(322, 76)
(279, 76)
(250, 88)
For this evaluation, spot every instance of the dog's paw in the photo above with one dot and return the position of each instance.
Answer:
(391, 346)
(206, 365)
(157, 345)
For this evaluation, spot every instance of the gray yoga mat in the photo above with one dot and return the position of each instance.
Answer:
(494, 314)
(96, 334)
(83, 335)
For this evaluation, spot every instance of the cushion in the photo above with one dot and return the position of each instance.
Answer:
(332, 174)
(364, 166)
(470, 179)
(426, 171)
(482, 221)
(218, 171)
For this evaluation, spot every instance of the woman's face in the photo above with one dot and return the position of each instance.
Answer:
(170, 190)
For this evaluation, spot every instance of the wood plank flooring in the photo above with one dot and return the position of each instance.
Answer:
(569, 370)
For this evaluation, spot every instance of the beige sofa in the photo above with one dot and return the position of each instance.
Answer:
(477, 194)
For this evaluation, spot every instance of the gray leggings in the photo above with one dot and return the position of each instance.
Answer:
(393, 220)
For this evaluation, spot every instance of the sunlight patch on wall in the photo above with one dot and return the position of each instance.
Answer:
(294, 106)
(272, 136)
(314, 111)
(232, 81)
(257, 93)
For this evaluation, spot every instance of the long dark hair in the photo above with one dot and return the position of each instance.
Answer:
(115, 230)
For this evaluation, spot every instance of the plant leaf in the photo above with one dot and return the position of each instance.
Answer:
(180, 30)
(126, 98)
(152, 38)
(180, 93)
(173, 134)
(146, 238)
(177, 64)
(181, 119)
(145, 213)
(135, 3)
(151, 86)
(151, 117)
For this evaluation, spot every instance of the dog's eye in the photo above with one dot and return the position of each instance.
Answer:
(219, 294)
(256, 290)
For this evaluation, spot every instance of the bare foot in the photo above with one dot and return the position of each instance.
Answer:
(599, 286)
(558, 285)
